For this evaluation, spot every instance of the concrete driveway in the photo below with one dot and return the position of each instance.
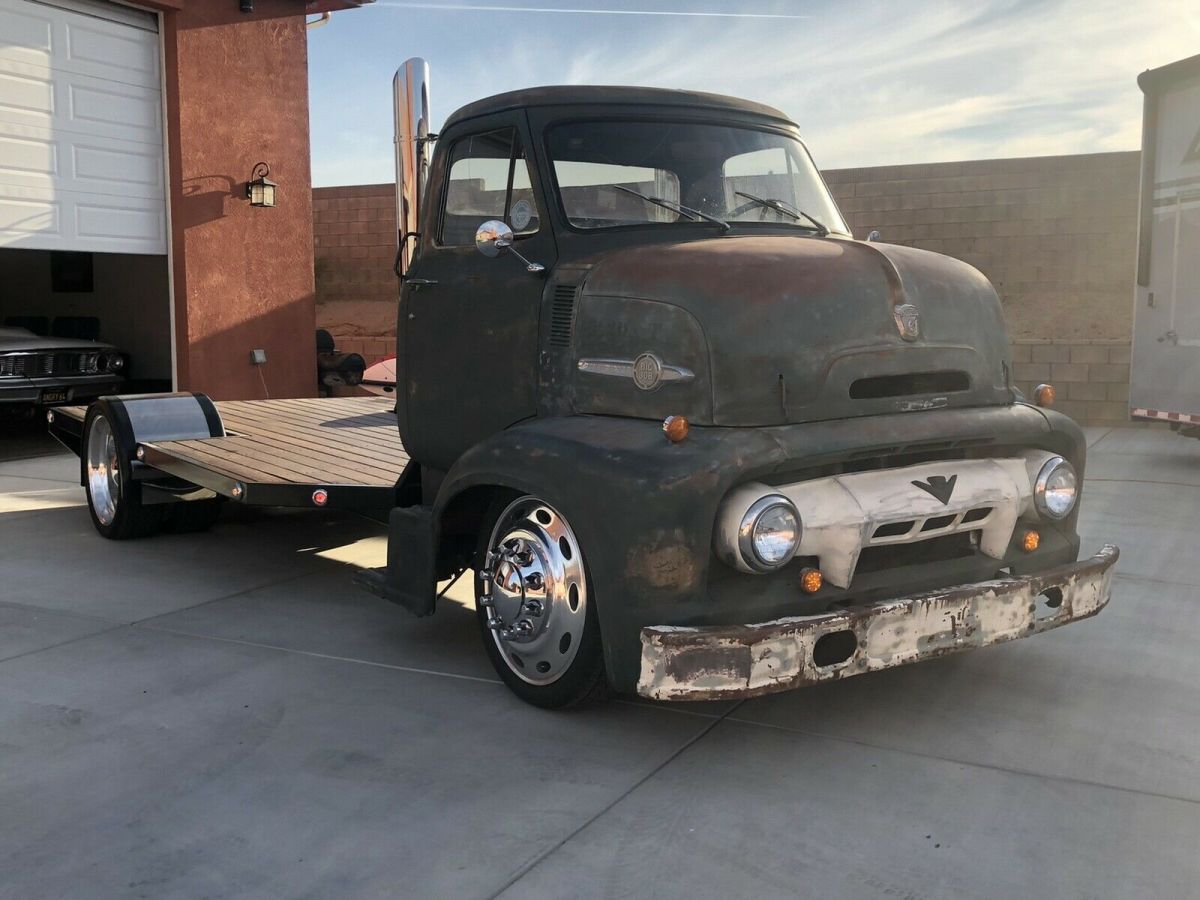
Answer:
(225, 715)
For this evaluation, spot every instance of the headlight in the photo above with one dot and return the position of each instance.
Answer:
(114, 362)
(1055, 492)
(770, 533)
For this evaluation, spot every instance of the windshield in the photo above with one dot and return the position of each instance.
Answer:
(613, 174)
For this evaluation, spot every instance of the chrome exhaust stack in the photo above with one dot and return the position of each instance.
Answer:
(410, 89)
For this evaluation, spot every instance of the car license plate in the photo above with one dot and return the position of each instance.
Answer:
(54, 397)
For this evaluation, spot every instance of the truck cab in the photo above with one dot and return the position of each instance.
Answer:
(692, 437)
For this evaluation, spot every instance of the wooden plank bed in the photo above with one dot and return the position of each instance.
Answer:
(280, 452)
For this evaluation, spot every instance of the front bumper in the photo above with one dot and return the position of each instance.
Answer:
(712, 663)
(78, 389)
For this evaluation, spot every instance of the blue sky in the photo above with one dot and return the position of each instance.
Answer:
(870, 82)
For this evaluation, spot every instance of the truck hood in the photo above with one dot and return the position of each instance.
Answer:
(764, 330)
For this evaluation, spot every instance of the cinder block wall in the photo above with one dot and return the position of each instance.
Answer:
(354, 237)
(1056, 235)
(1091, 377)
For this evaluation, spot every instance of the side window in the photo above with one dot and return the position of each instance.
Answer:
(489, 179)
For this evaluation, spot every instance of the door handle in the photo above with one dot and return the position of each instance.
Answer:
(421, 282)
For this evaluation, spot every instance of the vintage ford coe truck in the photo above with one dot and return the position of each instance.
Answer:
(846, 478)
(693, 438)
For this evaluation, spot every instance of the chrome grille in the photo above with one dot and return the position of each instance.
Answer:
(906, 531)
(42, 365)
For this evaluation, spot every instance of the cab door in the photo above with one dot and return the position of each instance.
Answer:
(470, 322)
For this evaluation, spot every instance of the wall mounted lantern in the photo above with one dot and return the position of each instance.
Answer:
(260, 190)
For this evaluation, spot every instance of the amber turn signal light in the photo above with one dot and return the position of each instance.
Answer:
(1030, 541)
(1044, 394)
(675, 428)
(811, 580)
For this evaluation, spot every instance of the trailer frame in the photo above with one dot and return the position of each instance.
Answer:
(253, 465)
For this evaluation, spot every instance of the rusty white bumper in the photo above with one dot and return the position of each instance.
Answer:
(711, 663)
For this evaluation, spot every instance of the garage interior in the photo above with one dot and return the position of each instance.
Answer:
(83, 233)
(118, 298)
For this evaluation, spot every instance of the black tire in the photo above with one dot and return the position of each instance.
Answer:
(192, 516)
(126, 518)
(583, 682)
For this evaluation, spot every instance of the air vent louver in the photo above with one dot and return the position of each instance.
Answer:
(562, 314)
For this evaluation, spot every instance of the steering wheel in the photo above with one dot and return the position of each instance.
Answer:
(754, 204)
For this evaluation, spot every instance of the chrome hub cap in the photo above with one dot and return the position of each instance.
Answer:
(103, 470)
(534, 591)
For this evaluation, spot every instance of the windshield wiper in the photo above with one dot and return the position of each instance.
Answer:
(695, 214)
(787, 209)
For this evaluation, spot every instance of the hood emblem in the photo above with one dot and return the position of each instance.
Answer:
(648, 372)
(908, 321)
(939, 486)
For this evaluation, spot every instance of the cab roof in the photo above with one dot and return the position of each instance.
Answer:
(598, 95)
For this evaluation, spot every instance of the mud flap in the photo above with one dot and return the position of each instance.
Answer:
(408, 580)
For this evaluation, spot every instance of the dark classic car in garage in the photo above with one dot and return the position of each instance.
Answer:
(47, 371)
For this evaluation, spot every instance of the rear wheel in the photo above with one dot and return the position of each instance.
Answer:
(114, 498)
(532, 597)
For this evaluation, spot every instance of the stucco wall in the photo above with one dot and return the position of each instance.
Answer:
(237, 93)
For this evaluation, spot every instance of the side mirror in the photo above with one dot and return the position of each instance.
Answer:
(494, 237)
(874, 236)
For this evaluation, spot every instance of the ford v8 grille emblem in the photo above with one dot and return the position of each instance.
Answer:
(908, 321)
(939, 486)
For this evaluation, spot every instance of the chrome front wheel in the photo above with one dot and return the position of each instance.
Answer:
(536, 605)
(532, 594)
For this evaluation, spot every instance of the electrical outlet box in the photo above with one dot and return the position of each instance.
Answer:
(258, 357)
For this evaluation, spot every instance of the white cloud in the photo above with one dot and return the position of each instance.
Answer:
(871, 83)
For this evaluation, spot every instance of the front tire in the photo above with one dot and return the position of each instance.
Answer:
(533, 600)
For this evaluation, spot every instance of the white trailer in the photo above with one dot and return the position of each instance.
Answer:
(1165, 371)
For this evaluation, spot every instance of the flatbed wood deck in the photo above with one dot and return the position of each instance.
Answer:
(279, 452)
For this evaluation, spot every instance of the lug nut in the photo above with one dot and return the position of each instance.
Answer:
(533, 608)
(523, 628)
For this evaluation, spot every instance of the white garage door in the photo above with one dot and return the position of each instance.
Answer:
(81, 147)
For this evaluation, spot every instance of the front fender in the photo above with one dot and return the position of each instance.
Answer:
(642, 507)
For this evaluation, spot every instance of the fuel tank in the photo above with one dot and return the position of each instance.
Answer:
(774, 329)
